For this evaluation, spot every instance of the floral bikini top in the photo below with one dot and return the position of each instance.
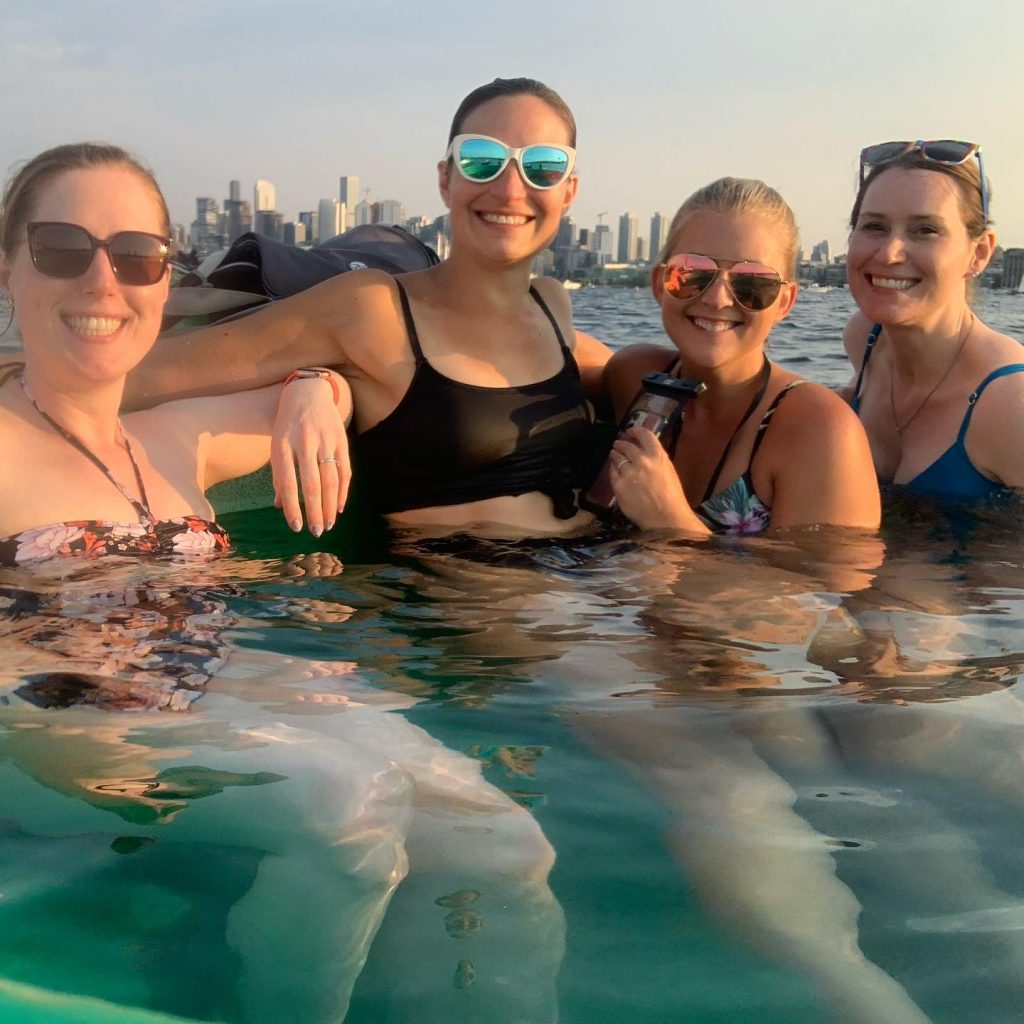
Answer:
(189, 534)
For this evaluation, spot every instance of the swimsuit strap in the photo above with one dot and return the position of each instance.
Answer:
(410, 324)
(769, 412)
(141, 506)
(554, 323)
(873, 335)
(11, 371)
(1003, 371)
(766, 373)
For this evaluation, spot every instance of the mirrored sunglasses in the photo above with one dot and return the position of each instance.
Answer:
(67, 250)
(754, 286)
(939, 151)
(480, 159)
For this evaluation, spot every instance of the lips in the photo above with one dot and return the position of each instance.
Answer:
(94, 326)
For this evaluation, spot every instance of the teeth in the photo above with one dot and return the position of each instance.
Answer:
(900, 284)
(714, 326)
(500, 218)
(98, 326)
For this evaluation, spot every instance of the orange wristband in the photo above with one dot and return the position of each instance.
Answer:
(312, 373)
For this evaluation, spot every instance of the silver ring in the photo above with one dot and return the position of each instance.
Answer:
(624, 462)
(330, 458)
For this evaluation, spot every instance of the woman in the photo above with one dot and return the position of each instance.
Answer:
(467, 378)
(937, 391)
(761, 449)
(86, 319)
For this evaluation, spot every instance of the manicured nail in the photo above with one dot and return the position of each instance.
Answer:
(330, 525)
(295, 524)
(316, 530)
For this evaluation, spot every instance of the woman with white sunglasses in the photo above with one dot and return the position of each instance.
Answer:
(468, 381)
(938, 392)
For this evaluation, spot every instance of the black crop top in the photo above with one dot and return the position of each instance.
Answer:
(447, 442)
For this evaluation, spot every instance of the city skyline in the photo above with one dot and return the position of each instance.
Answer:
(666, 99)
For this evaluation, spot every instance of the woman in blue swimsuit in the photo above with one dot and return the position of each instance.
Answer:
(76, 478)
(761, 449)
(939, 393)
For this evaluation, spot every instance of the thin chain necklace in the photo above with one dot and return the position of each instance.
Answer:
(900, 427)
(141, 505)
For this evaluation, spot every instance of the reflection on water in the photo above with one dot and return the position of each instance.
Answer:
(780, 780)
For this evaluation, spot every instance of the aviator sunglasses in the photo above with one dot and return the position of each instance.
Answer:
(480, 159)
(938, 151)
(753, 285)
(67, 250)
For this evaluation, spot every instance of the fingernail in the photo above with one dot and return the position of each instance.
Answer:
(330, 525)
(295, 524)
(316, 530)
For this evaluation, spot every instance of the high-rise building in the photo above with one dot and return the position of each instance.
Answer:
(348, 193)
(601, 244)
(627, 237)
(1013, 268)
(566, 233)
(206, 230)
(389, 211)
(330, 216)
(234, 190)
(264, 196)
(822, 252)
(271, 224)
(294, 232)
(310, 219)
(237, 212)
(659, 227)
(363, 213)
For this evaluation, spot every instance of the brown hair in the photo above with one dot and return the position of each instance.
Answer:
(502, 87)
(741, 196)
(27, 182)
(966, 177)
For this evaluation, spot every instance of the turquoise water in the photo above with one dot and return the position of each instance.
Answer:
(602, 781)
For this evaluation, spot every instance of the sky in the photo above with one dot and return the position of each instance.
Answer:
(667, 95)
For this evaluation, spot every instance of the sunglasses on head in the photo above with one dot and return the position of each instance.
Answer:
(938, 151)
(753, 285)
(480, 158)
(67, 250)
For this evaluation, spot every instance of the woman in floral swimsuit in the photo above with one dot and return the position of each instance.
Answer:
(756, 452)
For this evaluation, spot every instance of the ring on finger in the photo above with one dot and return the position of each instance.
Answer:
(624, 462)
(330, 458)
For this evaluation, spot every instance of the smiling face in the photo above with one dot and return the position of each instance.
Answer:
(89, 329)
(712, 331)
(506, 220)
(910, 254)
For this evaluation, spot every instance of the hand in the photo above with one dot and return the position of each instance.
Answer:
(309, 431)
(646, 484)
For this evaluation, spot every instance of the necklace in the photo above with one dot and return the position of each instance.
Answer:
(762, 386)
(900, 427)
(141, 505)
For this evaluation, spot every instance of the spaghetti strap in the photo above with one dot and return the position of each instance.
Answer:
(762, 427)
(554, 323)
(410, 324)
(873, 336)
(1002, 371)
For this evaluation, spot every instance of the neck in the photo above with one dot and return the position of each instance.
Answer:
(728, 386)
(920, 352)
(90, 414)
(471, 282)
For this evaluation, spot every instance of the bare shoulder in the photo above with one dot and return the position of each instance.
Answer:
(855, 337)
(555, 297)
(627, 367)
(812, 416)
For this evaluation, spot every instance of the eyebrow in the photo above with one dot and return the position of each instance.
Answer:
(912, 217)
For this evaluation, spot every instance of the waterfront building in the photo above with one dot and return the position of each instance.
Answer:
(237, 212)
(627, 237)
(264, 196)
(363, 213)
(310, 220)
(822, 253)
(1013, 268)
(659, 228)
(294, 232)
(566, 233)
(583, 239)
(389, 211)
(270, 223)
(234, 190)
(348, 194)
(206, 235)
(602, 244)
(330, 213)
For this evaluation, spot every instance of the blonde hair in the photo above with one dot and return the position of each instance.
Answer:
(741, 196)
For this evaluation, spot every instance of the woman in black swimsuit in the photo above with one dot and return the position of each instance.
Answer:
(469, 383)
(77, 479)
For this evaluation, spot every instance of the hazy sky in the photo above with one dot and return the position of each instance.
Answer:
(668, 96)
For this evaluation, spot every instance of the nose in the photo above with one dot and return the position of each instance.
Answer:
(718, 295)
(99, 275)
(510, 183)
(893, 247)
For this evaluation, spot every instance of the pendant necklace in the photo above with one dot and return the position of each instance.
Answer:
(900, 427)
(141, 505)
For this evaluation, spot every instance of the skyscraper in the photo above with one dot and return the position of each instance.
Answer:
(627, 237)
(348, 193)
(659, 224)
(330, 223)
(390, 211)
(264, 196)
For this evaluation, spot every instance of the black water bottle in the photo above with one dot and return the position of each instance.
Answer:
(659, 406)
